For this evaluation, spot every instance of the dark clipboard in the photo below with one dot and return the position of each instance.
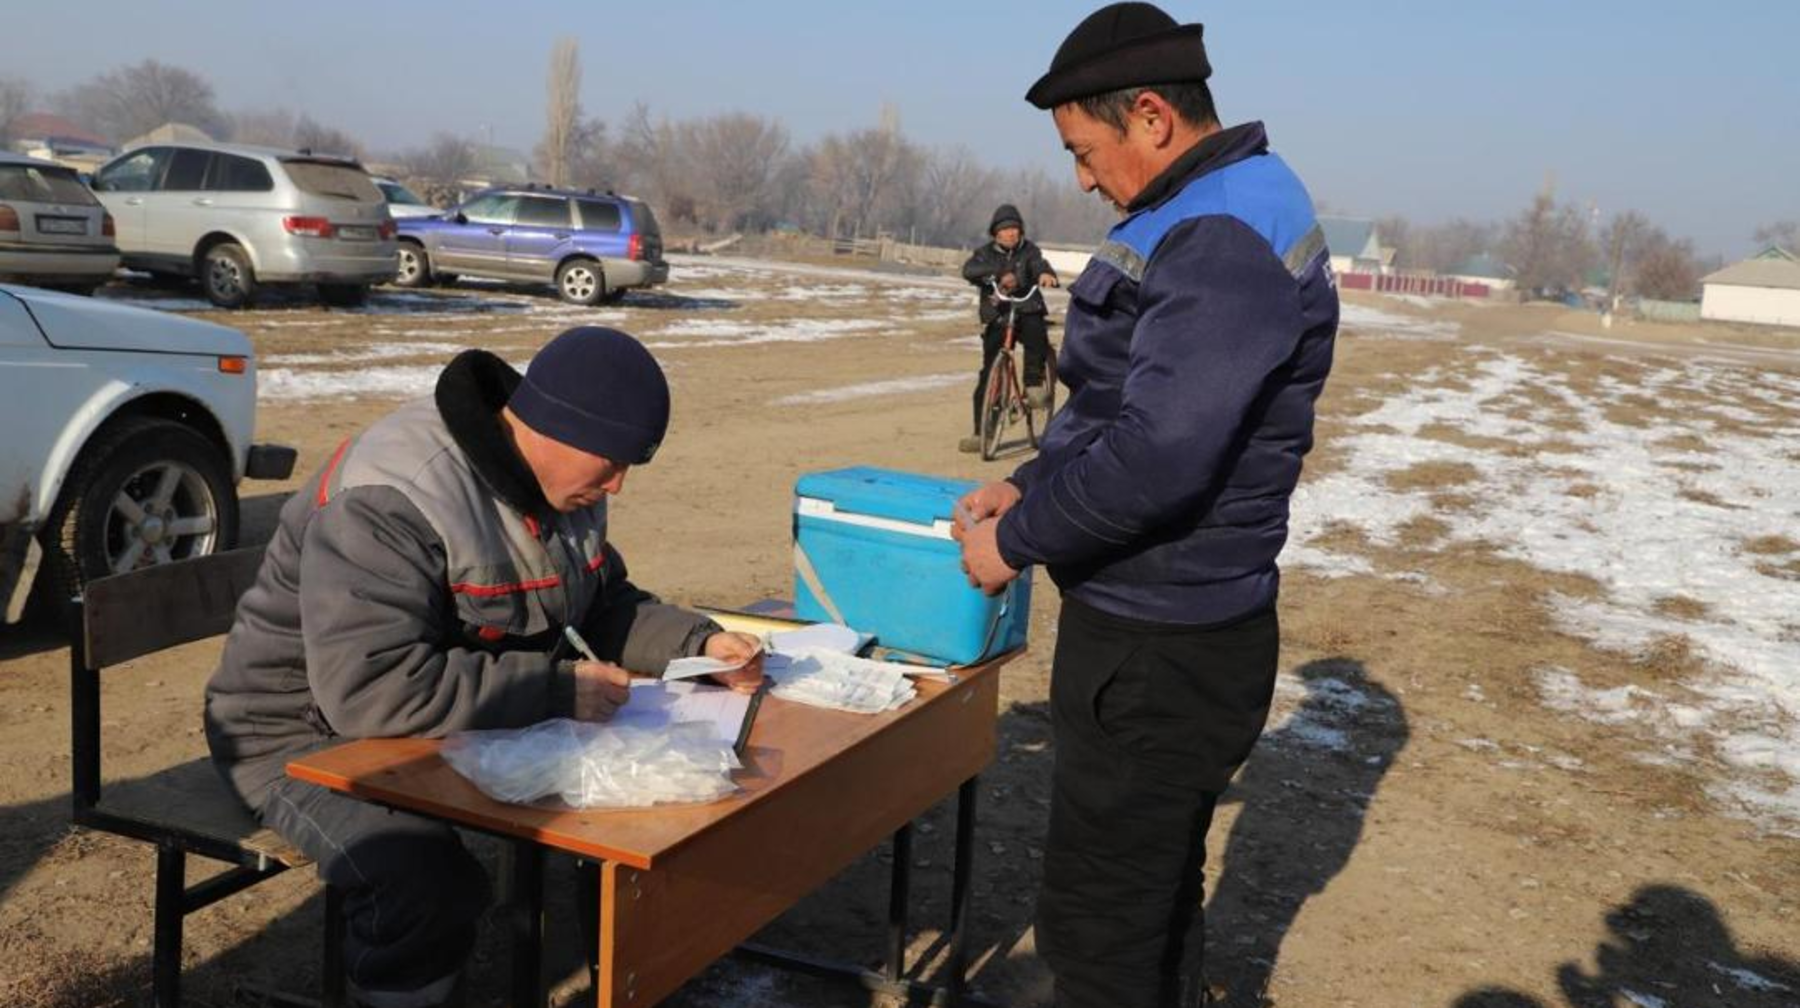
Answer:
(749, 722)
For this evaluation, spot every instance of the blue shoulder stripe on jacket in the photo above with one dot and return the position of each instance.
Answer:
(1262, 192)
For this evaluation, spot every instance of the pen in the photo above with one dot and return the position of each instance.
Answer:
(580, 645)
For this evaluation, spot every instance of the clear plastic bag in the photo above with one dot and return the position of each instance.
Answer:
(828, 679)
(592, 765)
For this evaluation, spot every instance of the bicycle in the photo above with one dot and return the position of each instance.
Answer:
(1005, 402)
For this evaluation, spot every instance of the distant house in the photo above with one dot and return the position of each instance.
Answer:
(1764, 289)
(53, 138)
(170, 133)
(1485, 269)
(1355, 244)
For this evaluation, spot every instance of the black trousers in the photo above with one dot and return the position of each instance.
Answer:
(412, 893)
(1031, 332)
(1149, 722)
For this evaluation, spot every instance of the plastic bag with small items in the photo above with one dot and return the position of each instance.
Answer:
(591, 765)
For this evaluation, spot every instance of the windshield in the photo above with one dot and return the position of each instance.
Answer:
(333, 178)
(43, 185)
(399, 194)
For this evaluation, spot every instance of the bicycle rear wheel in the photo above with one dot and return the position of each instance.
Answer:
(998, 406)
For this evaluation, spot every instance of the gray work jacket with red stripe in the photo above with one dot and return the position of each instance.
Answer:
(418, 585)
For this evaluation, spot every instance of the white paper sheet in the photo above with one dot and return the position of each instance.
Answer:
(657, 703)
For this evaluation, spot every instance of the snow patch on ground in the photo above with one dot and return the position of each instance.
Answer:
(1373, 321)
(1659, 525)
(892, 386)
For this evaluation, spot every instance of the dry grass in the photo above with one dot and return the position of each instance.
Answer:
(1432, 476)
(1682, 442)
(1583, 490)
(1708, 498)
(1422, 532)
(1681, 607)
(1771, 545)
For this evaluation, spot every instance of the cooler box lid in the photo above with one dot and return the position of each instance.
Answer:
(886, 493)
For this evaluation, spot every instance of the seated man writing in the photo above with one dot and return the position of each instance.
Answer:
(418, 585)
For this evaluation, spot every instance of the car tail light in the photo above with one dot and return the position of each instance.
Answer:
(388, 229)
(107, 228)
(9, 218)
(635, 248)
(308, 227)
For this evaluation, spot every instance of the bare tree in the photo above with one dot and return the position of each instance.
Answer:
(448, 158)
(562, 110)
(590, 160)
(132, 100)
(735, 160)
(955, 193)
(652, 164)
(15, 101)
(269, 127)
(1667, 269)
(1622, 239)
(322, 139)
(1548, 246)
(1785, 234)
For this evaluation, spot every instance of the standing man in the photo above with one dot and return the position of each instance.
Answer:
(1008, 262)
(1197, 342)
(418, 585)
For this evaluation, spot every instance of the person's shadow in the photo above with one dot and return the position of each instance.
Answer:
(1303, 796)
(1668, 946)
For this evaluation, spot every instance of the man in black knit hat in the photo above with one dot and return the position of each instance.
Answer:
(1195, 346)
(1008, 262)
(419, 585)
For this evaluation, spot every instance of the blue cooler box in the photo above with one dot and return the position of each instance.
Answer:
(872, 550)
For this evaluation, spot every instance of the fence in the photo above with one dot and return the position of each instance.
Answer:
(1411, 283)
(1668, 311)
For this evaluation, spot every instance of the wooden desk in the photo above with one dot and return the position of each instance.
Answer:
(683, 885)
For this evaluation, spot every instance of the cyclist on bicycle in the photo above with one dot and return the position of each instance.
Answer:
(1008, 261)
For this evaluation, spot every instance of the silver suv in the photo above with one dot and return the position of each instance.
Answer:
(238, 217)
(52, 230)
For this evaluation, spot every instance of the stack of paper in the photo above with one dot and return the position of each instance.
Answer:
(824, 678)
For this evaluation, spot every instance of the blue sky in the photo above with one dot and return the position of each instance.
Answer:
(1434, 110)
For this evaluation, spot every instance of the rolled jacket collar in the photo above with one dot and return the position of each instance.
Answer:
(1228, 146)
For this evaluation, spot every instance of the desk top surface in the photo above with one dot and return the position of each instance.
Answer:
(787, 741)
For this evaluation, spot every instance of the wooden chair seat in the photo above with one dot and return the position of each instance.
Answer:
(189, 802)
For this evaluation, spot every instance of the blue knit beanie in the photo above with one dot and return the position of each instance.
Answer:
(598, 390)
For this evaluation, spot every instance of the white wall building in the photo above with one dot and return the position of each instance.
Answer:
(1355, 245)
(1764, 289)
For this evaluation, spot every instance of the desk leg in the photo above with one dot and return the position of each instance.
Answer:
(899, 895)
(959, 885)
(527, 914)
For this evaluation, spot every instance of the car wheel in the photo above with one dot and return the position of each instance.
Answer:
(415, 266)
(145, 491)
(226, 275)
(579, 282)
(344, 295)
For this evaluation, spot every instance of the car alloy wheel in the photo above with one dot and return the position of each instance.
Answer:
(164, 511)
(410, 267)
(224, 279)
(580, 283)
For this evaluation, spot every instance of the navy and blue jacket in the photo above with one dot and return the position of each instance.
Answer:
(1198, 340)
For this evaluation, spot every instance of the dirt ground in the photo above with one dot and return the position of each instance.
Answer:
(1421, 825)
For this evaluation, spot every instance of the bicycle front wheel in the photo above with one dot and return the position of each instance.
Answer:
(997, 407)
